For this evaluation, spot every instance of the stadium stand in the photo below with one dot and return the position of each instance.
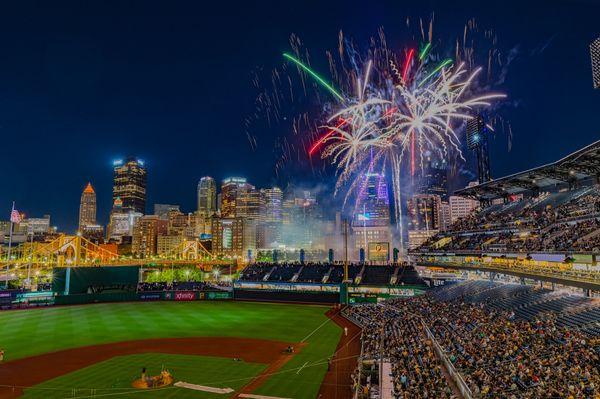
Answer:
(562, 221)
(551, 208)
(284, 272)
(313, 273)
(256, 272)
(359, 274)
(179, 286)
(505, 341)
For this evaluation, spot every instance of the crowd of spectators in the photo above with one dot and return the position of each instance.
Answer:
(497, 355)
(177, 286)
(400, 338)
(331, 273)
(550, 222)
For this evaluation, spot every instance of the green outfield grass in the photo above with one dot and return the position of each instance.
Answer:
(113, 377)
(30, 332)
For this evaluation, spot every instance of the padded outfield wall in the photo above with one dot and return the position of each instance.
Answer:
(77, 280)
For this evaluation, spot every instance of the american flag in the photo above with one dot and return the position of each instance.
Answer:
(15, 216)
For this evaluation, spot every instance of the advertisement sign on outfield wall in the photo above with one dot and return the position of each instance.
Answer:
(180, 295)
(151, 296)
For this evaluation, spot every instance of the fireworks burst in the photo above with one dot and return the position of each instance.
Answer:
(382, 126)
(384, 110)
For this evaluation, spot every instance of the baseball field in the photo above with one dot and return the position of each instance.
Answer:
(212, 349)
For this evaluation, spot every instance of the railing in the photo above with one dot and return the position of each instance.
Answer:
(562, 272)
(359, 361)
(462, 386)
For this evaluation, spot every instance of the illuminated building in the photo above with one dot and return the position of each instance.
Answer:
(168, 243)
(371, 221)
(461, 207)
(249, 202)
(36, 226)
(301, 219)
(145, 235)
(373, 206)
(595, 55)
(202, 226)
(424, 211)
(181, 224)
(93, 232)
(270, 228)
(121, 221)
(477, 140)
(207, 196)
(228, 237)
(162, 210)
(129, 184)
(229, 194)
(445, 216)
(272, 211)
(434, 180)
(87, 207)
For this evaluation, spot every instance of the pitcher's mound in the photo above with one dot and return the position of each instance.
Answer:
(164, 379)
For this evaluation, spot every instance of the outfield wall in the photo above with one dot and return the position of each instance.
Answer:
(286, 296)
(180, 296)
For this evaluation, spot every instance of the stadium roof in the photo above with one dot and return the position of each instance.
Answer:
(581, 165)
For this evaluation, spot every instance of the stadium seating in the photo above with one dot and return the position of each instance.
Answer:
(255, 272)
(178, 286)
(284, 272)
(561, 221)
(313, 273)
(326, 273)
(505, 340)
(377, 275)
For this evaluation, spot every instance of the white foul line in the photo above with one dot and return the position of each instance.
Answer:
(203, 388)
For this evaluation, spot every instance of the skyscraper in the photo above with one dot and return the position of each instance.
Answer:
(145, 234)
(425, 218)
(249, 202)
(595, 54)
(233, 237)
(230, 189)
(129, 184)
(207, 196)
(477, 140)
(87, 207)
(121, 221)
(272, 207)
(434, 179)
(162, 210)
(373, 206)
(371, 221)
(270, 227)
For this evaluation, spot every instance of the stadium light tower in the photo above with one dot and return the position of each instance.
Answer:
(477, 141)
(595, 55)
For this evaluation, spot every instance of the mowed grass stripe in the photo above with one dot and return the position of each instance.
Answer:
(305, 384)
(66, 327)
(46, 330)
(114, 376)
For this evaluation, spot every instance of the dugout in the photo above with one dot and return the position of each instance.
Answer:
(104, 279)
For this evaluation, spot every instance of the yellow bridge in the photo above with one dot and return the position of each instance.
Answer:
(75, 250)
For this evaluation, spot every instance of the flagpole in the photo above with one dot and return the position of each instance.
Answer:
(10, 233)
(30, 258)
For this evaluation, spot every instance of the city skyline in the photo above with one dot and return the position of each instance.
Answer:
(110, 87)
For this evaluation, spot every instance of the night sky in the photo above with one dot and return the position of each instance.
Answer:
(170, 82)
